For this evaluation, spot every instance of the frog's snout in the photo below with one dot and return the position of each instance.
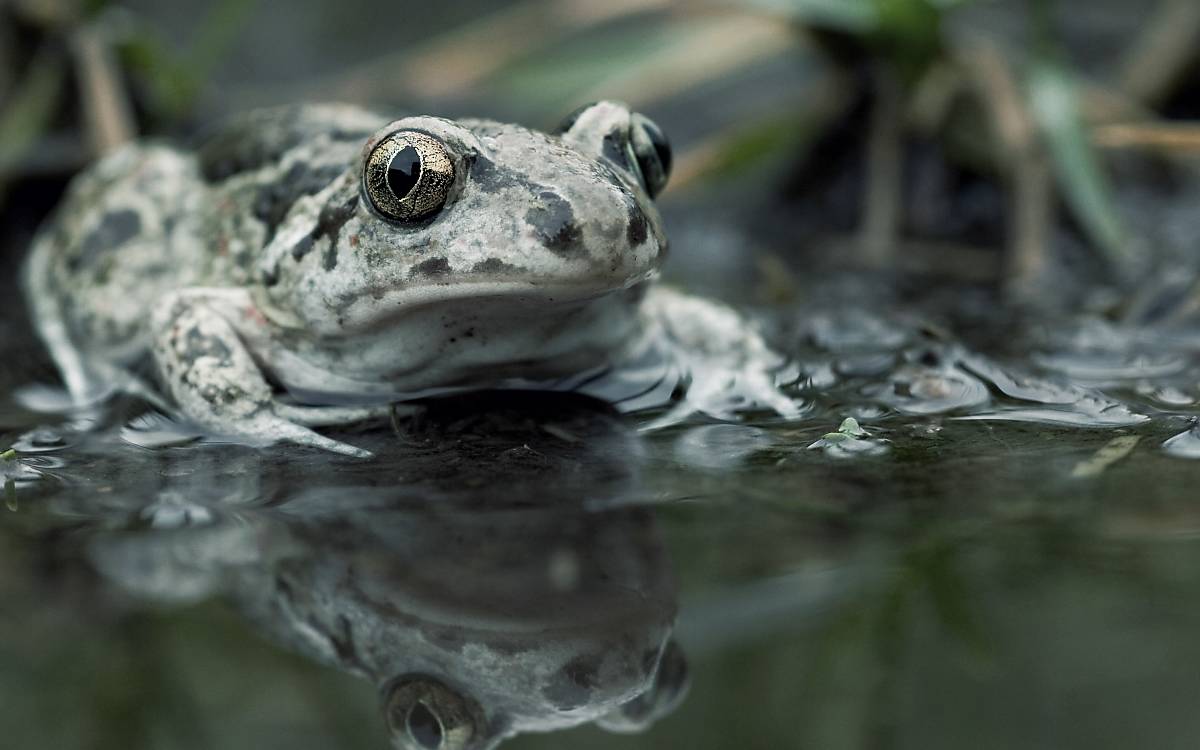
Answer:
(628, 139)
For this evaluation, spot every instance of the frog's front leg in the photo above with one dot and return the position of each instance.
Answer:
(212, 377)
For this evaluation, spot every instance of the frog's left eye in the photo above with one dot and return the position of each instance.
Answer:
(424, 714)
(408, 175)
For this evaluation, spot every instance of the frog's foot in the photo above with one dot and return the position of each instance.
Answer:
(209, 372)
(727, 365)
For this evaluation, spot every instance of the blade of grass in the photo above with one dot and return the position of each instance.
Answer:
(1054, 101)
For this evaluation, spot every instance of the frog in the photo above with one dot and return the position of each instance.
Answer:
(538, 614)
(321, 265)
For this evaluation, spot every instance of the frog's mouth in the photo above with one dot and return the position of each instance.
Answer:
(503, 298)
(462, 338)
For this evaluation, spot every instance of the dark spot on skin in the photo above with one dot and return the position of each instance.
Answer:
(637, 230)
(302, 248)
(343, 642)
(115, 229)
(431, 267)
(496, 266)
(489, 176)
(613, 149)
(262, 137)
(330, 221)
(329, 258)
(554, 221)
(276, 198)
(574, 684)
(196, 345)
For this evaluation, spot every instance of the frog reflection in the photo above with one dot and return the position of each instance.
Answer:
(475, 623)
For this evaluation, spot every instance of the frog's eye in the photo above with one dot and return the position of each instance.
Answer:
(408, 175)
(424, 714)
(653, 152)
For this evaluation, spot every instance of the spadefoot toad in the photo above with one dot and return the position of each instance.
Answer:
(313, 265)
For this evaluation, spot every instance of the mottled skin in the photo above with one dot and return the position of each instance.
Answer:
(270, 294)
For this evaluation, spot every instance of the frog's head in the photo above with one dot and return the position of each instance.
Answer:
(479, 202)
(424, 712)
(442, 213)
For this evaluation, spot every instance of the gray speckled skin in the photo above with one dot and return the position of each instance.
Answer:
(256, 265)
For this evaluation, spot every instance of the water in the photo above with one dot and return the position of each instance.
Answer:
(993, 550)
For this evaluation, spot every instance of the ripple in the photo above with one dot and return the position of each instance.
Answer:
(1090, 411)
(1107, 366)
(919, 390)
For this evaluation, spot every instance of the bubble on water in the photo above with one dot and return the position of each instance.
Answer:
(920, 390)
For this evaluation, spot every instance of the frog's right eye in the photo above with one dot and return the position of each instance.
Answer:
(424, 714)
(408, 175)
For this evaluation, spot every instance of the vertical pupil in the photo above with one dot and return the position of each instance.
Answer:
(403, 171)
(424, 727)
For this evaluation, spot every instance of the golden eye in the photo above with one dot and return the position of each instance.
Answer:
(424, 714)
(408, 175)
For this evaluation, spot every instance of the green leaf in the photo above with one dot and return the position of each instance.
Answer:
(1054, 101)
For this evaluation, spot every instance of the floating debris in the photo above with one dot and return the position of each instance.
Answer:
(1112, 451)
(850, 440)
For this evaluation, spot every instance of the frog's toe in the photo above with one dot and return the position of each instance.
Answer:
(294, 433)
(336, 446)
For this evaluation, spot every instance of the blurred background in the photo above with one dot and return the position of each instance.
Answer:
(1038, 149)
(983, 155)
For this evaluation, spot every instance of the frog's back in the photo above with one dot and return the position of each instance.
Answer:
(151, 219)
